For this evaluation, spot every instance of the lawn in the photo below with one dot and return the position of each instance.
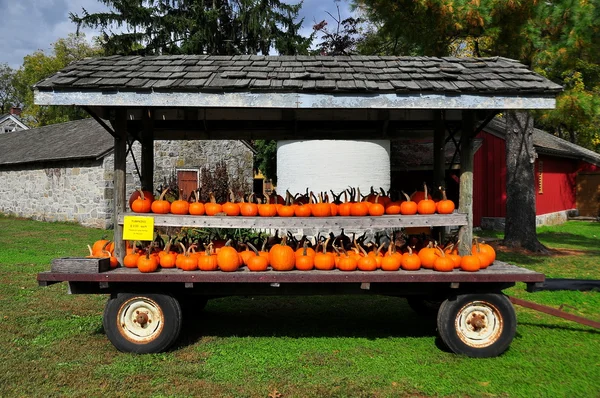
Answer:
(52, 344)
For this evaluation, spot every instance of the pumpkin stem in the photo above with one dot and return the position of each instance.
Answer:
(231, 196)
(362, 249)
(141, 193)
(410, 252)
(184, 252)
(379, 249)
(212, 197)
(90, 248)
(251, 246)
(406, 196)
(441, 251)
(163, 193)
(443, 193)
(325, 245)
(264, 245)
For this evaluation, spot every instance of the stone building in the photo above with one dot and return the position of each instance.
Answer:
(64, 172)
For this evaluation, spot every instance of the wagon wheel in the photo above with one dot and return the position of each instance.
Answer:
(142, 323)
(477, 325)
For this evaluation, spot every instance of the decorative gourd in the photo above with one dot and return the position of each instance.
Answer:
(485, 257)
(305, 261)
(426, 206)
(257, 262)
(302, 210)
(228, 258)
(267, 209)
(246, 254)
(167, 257)
(282, 257)
(180, 206)
(131, 259)
(393, 207)
(347, 262)
(99, 245)
(212, 208)
(489, 250)
(444, 206)
(287, 210)
(443, 263)
(143, 203)
(410, 261)
(408, 207)
(161, 206)
(366, 262)
(147, 263)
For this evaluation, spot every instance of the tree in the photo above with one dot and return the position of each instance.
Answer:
(223, 27)
(558, 39)
(38, 66)
(265, 159)
(341, 41)
(7, 94)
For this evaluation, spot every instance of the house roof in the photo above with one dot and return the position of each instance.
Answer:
(15, 119)
(80, 139)
(298, 81)
(548, 144)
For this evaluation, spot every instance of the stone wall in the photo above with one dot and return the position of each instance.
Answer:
(169, 156)
(71, 191)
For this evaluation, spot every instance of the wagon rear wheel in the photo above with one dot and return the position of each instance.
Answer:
(142, 323)
(477, 325)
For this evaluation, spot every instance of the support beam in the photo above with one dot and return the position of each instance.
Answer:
(439, 150)
(147, 140)
(118, 120)
(465, 204)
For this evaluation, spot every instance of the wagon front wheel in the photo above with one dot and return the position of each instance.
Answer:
(477, 325)
(142, 323)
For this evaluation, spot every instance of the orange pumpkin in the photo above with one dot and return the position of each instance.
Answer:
(147, 263)
(256, 262)
(444, 206)
(408, 207)
(426, 205)
(470, 263)
(282, 257)
(136, 194)
(180, 206)
(212, 208)
(228, 258)
(410, 261)
(208, 261)
(392, 260)
(443, 263)
(143, 203)
(305, 261)
(428, 255)
(376, 209)
(161, 206)
(231, 208)
(196, 207)
(324, 261)
(248, 209)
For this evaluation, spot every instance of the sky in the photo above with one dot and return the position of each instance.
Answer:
(30, 25)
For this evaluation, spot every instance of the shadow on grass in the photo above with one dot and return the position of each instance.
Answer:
(314, 316)
(553, 239)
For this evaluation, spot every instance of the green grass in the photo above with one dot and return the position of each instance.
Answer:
(52, 343)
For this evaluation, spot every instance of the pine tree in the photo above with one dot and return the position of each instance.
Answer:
(218, 27)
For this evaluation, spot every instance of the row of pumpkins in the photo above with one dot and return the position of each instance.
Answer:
(282, 257)
(374, 204)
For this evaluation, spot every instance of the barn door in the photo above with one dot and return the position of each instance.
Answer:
(187, 180)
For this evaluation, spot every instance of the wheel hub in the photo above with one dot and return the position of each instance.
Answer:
(140, 320)
(479, 324)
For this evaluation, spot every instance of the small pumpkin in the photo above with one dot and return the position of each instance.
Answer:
(249, 209)
(305, 261)
(427, 255)
(391, 261)
(267, 209)
(376, 209)
(143, 203)
(161, 206)
(147, 263)
(212, 208)
(322, 208)
(231, 208)
(426, 205)
(228, 258)
(360, 208)
(208, 261)
(180, 206)
(443, 263)
(136, 194)
(410, 261)
(196, 208)
(185, 261)
(444, 206)
(470, 263)
(257, 263)
(408, 207)
(324, 261)
(282, 257)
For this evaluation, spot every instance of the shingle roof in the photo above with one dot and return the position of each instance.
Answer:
(549, 144)
(342, 74)
(80, 139)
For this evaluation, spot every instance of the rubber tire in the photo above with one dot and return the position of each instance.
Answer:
(423, 306)
(171, 313)
(503, 311)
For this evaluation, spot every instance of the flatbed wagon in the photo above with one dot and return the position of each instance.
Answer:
(203, 97)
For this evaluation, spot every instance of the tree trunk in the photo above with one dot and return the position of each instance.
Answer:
(520, 183)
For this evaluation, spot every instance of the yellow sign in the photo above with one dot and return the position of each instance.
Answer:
(138, 228)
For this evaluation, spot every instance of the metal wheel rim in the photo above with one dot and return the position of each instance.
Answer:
(479, 324)
(140, 320)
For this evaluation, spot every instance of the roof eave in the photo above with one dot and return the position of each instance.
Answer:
(297, 100)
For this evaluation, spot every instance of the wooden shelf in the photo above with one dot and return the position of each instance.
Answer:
(433, 220)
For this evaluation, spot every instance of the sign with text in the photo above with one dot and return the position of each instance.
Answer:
(138, 228)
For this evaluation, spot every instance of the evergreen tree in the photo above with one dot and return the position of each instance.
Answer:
(218, 27)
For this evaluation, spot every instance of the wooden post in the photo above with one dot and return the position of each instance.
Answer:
(118, 120)
(465, 204)
(439, 152)
(147, 142)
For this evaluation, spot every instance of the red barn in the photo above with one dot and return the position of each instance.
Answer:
(563, 172)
